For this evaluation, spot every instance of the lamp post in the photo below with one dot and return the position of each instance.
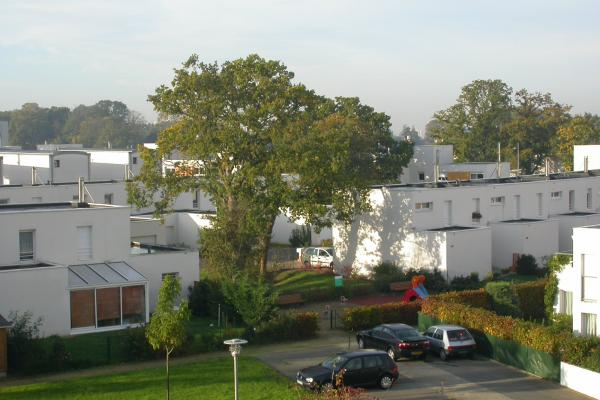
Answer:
(235, 348)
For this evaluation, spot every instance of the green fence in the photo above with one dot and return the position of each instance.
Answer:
(508, 352)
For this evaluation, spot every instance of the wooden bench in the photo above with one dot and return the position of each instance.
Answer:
(290, 299)
(400, 286)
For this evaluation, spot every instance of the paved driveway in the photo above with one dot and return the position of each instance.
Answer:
(431, 379)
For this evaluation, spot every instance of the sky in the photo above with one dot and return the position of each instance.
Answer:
(408, 59)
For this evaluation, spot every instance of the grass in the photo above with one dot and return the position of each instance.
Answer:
(203, 380)
(306, 281)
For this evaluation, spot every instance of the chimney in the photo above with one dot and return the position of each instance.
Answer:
(81, 192)
(585, 164)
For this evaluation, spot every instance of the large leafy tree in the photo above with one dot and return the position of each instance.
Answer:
(258, 144)
(33, 124)
(166, 330)
(581, 129)
(535, 119)
(474, 124)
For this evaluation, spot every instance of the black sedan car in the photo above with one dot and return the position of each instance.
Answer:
(398, 340)
(357, 368)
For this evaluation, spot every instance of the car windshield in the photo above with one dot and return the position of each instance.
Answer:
(459, 334)
(334, 362)
(406, 333)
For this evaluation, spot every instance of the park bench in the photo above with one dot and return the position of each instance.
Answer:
(290, 299)
(400, 286)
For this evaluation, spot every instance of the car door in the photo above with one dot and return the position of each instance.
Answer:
(371, 369)
(429, 335)
(353, 372)
(438, 339)
(323, 258)
(379, 338)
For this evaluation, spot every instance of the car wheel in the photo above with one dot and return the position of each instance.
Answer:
(391, 353)
(386, 382)
(361, 343)
(443, 355)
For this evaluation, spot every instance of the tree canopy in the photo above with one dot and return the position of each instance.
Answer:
(258, 144)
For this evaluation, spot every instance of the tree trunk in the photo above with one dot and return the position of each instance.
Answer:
(265, 243)
(168, 389)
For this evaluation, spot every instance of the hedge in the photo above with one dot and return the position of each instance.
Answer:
(357, 318)
(476, 298)
(571, 349)
(531, 298)
(288, 327)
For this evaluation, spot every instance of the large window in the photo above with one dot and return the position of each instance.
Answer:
(588, 324)
(26, 245)
(589, 278)
(134, 304)
(565, 302)
(108, 305)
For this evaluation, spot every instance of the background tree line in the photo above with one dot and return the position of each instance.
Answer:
(93, 126)
(488, 111)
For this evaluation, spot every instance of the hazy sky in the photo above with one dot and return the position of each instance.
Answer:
(405, 58)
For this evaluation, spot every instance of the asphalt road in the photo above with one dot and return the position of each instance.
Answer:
(431, 379)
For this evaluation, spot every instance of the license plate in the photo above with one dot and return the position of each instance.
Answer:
(417, 353)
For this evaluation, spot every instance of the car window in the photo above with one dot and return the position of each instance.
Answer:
(354, 364)
(334, 362)
(378, 331)
(371, 362)
(439, 334)
(459, 334)
(429, 332)
(323, 253)
(406, 333)
(386, 361)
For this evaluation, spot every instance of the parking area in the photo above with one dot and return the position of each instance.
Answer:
(432, 379)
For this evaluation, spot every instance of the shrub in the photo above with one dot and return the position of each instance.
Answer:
(288, 327)
(25, 351)
(253, 299)
(504, 299)
(59, 357)
(204, 297)
(555, 265)
(137, 346)
(575, 350)
(301, 237)
(530, 297)
(592, 362)
(385, 273)
(465, 282)
(527, 265)
(357, 318)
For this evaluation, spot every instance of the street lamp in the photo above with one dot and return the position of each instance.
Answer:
(235, 348)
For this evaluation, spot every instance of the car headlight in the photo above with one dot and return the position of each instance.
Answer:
(309, 380)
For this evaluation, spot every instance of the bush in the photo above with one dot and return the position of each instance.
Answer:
(288, 327)
(530, 297)
(25, 351)
(555, 265)
(465, 282)
(526, 265)
(476, 298)
(204, 297)
(137, 346)
(385, 273)
(301, 237)
(504, 298)
(357, 318)
(253, 299)
(59, 358)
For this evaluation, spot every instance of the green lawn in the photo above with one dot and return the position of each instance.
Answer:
(298, 281)
(203, 380)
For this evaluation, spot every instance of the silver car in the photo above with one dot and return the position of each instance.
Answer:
(450, 340)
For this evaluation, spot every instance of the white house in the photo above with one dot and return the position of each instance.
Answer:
(73, 265)
(581, 153)
(41, 167)
(523, 215)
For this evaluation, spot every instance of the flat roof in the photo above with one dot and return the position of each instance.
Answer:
(5, 208)
(579, 213)
(137, 248)
(516, 221)
(25, 266)
(453, 228)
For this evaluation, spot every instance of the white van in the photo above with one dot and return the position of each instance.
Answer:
(318, 257)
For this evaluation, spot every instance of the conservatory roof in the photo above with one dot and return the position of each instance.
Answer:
(103, 274)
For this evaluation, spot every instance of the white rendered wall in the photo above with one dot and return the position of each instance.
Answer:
(43, 291)
(148, 231)
(152, 266)
(72, 166)
(109, 164)
(110, 234)
(592, 152)
(487, 169)
(580, 379)
(469, 251)
(423, 160)
(539, 239)
(585, 241)
(566, 223)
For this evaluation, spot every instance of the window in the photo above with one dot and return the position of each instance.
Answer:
(571, 200)
(83, 310)
(26, 245)
(108, 306)
(497, 201)
(565, 305)
(84, 242)
(439, 334)
(134, 304)
(134, 160)
(3, 201)
(372, 362)
(421, 176)
(476, 175)
(56, 163)
(424, 206)
(173, 274)
(588, 324)
(555, 195)
(540, 204)
(108, 198)
(354, 364)
(588, 199)
(588, 278)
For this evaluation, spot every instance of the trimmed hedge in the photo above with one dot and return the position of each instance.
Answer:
(355, 319)
(288, 327)
(476, 298)
(531, 298)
